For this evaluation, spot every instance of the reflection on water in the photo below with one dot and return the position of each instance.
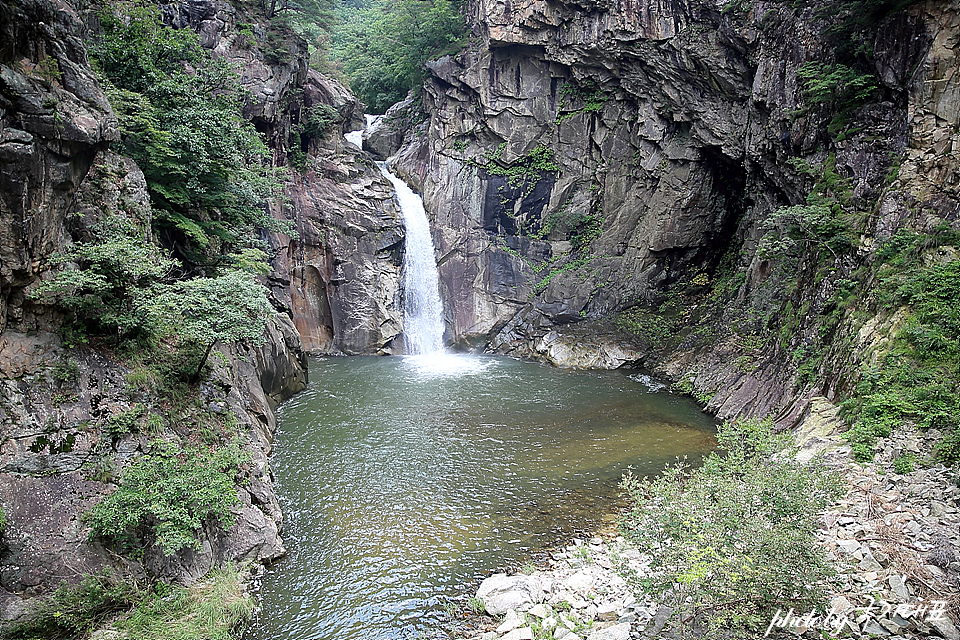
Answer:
(402, 479)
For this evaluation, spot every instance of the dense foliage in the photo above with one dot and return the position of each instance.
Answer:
(228, 308)
(73, 611)
(209, 610)
(166, 496)
(734, 539)
(106, 278)
(180, 118)
(209, 181)
(383, 45)
(917, 379)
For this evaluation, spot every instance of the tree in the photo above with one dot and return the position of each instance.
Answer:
(316, 11)
(170, 492)
(229, 308)
(384, 46)
(206, 167)
(810, 225)
(104, 279)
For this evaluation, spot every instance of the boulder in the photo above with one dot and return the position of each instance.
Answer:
(616, 632)
(500, 593)
(384, 135)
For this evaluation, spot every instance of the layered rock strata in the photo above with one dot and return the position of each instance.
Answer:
(584, 159)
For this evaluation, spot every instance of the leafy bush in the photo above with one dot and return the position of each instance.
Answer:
(73, 611)
(125, 422)
(525, 170)
(585, 97)
(102, 280)
(803, 227)
(734, 538)
(835, 84)
(3, 520)
(210, 610)
(904, 463)
(205, 311)
(658, 326)
(166, 496)
(318, 119)
(917, 378)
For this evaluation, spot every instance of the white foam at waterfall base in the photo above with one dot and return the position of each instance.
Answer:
(443, 364)
(422, 308)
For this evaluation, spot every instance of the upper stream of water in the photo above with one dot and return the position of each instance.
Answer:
(403, 479)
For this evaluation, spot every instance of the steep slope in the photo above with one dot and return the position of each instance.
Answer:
(75, 414)
(664, 165)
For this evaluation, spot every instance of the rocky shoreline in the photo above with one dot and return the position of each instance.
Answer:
(892, 538)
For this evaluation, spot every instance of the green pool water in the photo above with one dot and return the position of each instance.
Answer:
(405, 479)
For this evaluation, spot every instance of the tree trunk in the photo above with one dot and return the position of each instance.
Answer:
(203, 361)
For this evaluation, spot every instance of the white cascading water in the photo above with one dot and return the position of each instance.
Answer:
(422, 307)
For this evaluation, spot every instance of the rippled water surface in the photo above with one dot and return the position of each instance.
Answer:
(402, 479)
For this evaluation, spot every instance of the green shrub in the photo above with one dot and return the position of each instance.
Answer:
(3, 520)
(204, 311)
(318, 119)
(101, 280)
(206, 167)
(803, 228)
(166, 496)
(835, 84)
(948, 449)
(73, 611)
(585, 97)
(125, 422)
(905, 463)
(66, 370)
(525, 170)
(734, 538)
(210, 610)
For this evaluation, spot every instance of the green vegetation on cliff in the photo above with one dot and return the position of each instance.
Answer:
(206, 167)
(165, 498)
(178, 272)
(916, 379)
(212, 609)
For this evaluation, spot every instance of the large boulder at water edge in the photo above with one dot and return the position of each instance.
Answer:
(500, 593)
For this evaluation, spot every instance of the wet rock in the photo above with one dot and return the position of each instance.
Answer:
(385, 134)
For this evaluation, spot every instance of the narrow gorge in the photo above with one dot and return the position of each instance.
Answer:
(756, 202)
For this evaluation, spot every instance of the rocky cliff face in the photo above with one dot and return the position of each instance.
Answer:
(335, 284)
(586, 159)
(339, 277)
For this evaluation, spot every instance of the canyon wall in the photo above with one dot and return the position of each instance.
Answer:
(335, 285)
(584, 162)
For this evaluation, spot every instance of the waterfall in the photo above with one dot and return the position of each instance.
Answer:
(422, 307)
